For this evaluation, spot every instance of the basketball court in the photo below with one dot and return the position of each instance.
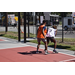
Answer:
(28, 54)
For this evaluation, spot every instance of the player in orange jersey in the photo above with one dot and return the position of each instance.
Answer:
(41, 36)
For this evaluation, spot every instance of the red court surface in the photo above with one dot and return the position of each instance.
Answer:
(28, 54)
(1, 40)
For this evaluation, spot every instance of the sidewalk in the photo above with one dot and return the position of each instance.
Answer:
(15, 51)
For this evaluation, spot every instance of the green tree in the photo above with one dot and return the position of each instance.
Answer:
(60, 13)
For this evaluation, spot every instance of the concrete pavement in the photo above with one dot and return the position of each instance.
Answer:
(12, 43)
(13, 51)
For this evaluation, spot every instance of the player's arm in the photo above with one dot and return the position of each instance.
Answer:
(56, 32)
(43, 32)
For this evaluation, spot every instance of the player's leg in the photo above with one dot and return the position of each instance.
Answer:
(45, 42)
(38, 39)
(55, 44)
(45, 45)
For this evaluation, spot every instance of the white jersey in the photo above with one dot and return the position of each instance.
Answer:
(51, 32)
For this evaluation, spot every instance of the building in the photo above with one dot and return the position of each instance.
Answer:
(0, 19)
(54, 19)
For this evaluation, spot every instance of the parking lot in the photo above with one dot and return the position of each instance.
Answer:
(32, 29)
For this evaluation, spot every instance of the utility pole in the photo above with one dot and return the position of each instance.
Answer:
(24, 27)
(19, 26)
(6, 23)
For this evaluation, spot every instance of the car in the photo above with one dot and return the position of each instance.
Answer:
(68, 23)
(67, 27)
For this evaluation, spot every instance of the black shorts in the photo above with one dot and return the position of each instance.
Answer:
(51, 39)
(41, 39)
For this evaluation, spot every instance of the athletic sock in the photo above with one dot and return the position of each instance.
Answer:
(37, 50)
(46, 51)
(54, 48)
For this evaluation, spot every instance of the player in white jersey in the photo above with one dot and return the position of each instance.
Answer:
(51, 36)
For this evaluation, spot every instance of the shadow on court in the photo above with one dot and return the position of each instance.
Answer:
(34, 52)
(28, 53)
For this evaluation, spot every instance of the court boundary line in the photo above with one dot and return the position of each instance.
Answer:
(67, 60)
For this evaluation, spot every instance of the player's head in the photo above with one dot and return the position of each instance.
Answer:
(54, 26)
(44, 22)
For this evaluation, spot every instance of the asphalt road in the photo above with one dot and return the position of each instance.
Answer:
(32, 29)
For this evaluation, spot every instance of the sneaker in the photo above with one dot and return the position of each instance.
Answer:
(55, 51)
(37, 52)
(46, 52)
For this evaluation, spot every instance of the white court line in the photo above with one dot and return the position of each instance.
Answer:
(6, 40)
(67, 60)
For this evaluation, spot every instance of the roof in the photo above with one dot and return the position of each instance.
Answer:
(54, 15)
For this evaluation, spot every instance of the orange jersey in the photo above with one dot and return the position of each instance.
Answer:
(40, 33)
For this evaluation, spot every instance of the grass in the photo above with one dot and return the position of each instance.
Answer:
(59, 45)
(60, 23)
(66, 39)
(11, 35)
(14, 35)
(69, 43)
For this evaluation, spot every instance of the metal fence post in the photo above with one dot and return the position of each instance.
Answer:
(24, 27)
(6, 23)
(28, 24)
(19, 26)
(62, 31)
